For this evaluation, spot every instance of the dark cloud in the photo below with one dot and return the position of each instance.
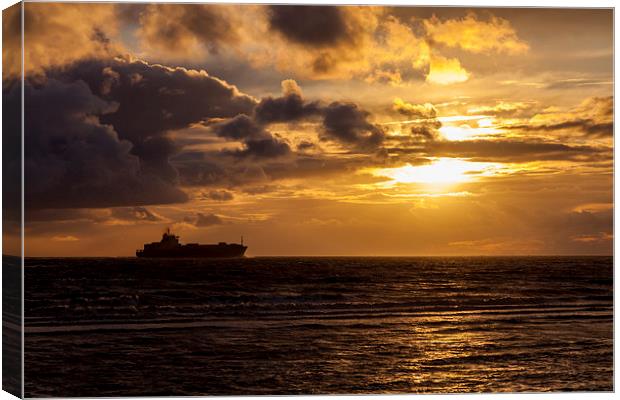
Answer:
(201, 171)
(239, 128)
(324, 63)
(348, 124)
(587, 126)
(203, 220)
(305, 145)
(426, 131)
(288, 108)
(154, 99)
(514, 151)
(106, 141)
(11, 151)
(343, 122)
(316, 26)
(73, 160)
(219, 195)
(265, 148)
(257, 141)
(154, 153)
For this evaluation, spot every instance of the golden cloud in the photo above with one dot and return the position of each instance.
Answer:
(474, 35)
(373, 45)
(592, 117)
(445, 71)
(425, 110)
(174, 32)
(59, 33)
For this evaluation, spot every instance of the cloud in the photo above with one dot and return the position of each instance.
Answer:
(238, 128)
(290, 107)
(598, 237)
(426, 131)
(366, 43)
(504, 108)
(587, 126)
(327, 39)
(369, 44)
(269, 147)
(317, 42)
(306, 145)
(509, 150)
(11, 41)
(73, 160)
(11, 151)
(182, 31)
(348, 124)
(425, 110)
(345, 123)
(475, 35)
(257, 141)
(219, 195)
(203, 220)
(446, 71)
(573, 83)
(315, 26)
(135, 214)
(585, 226)
(289, 87)
(152, 100)
(593, 117)
(60, 33)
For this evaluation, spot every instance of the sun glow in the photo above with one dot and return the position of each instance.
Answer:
(466, 132)
(441, 171)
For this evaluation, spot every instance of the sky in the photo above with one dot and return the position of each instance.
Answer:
(351, 130)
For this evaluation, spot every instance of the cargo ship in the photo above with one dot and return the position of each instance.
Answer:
(169, 246)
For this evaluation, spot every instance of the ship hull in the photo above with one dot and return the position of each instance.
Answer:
(200, 251)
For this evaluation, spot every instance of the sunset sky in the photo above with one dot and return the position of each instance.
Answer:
(316, 130)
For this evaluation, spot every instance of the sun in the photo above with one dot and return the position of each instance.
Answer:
(440, 171)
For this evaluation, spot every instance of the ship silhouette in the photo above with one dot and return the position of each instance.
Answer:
(169, 246)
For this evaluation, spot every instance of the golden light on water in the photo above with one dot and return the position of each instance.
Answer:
(439, 171)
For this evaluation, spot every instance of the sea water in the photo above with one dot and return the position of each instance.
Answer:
(126, 326)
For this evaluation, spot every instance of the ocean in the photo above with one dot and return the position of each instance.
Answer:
(127, 326)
